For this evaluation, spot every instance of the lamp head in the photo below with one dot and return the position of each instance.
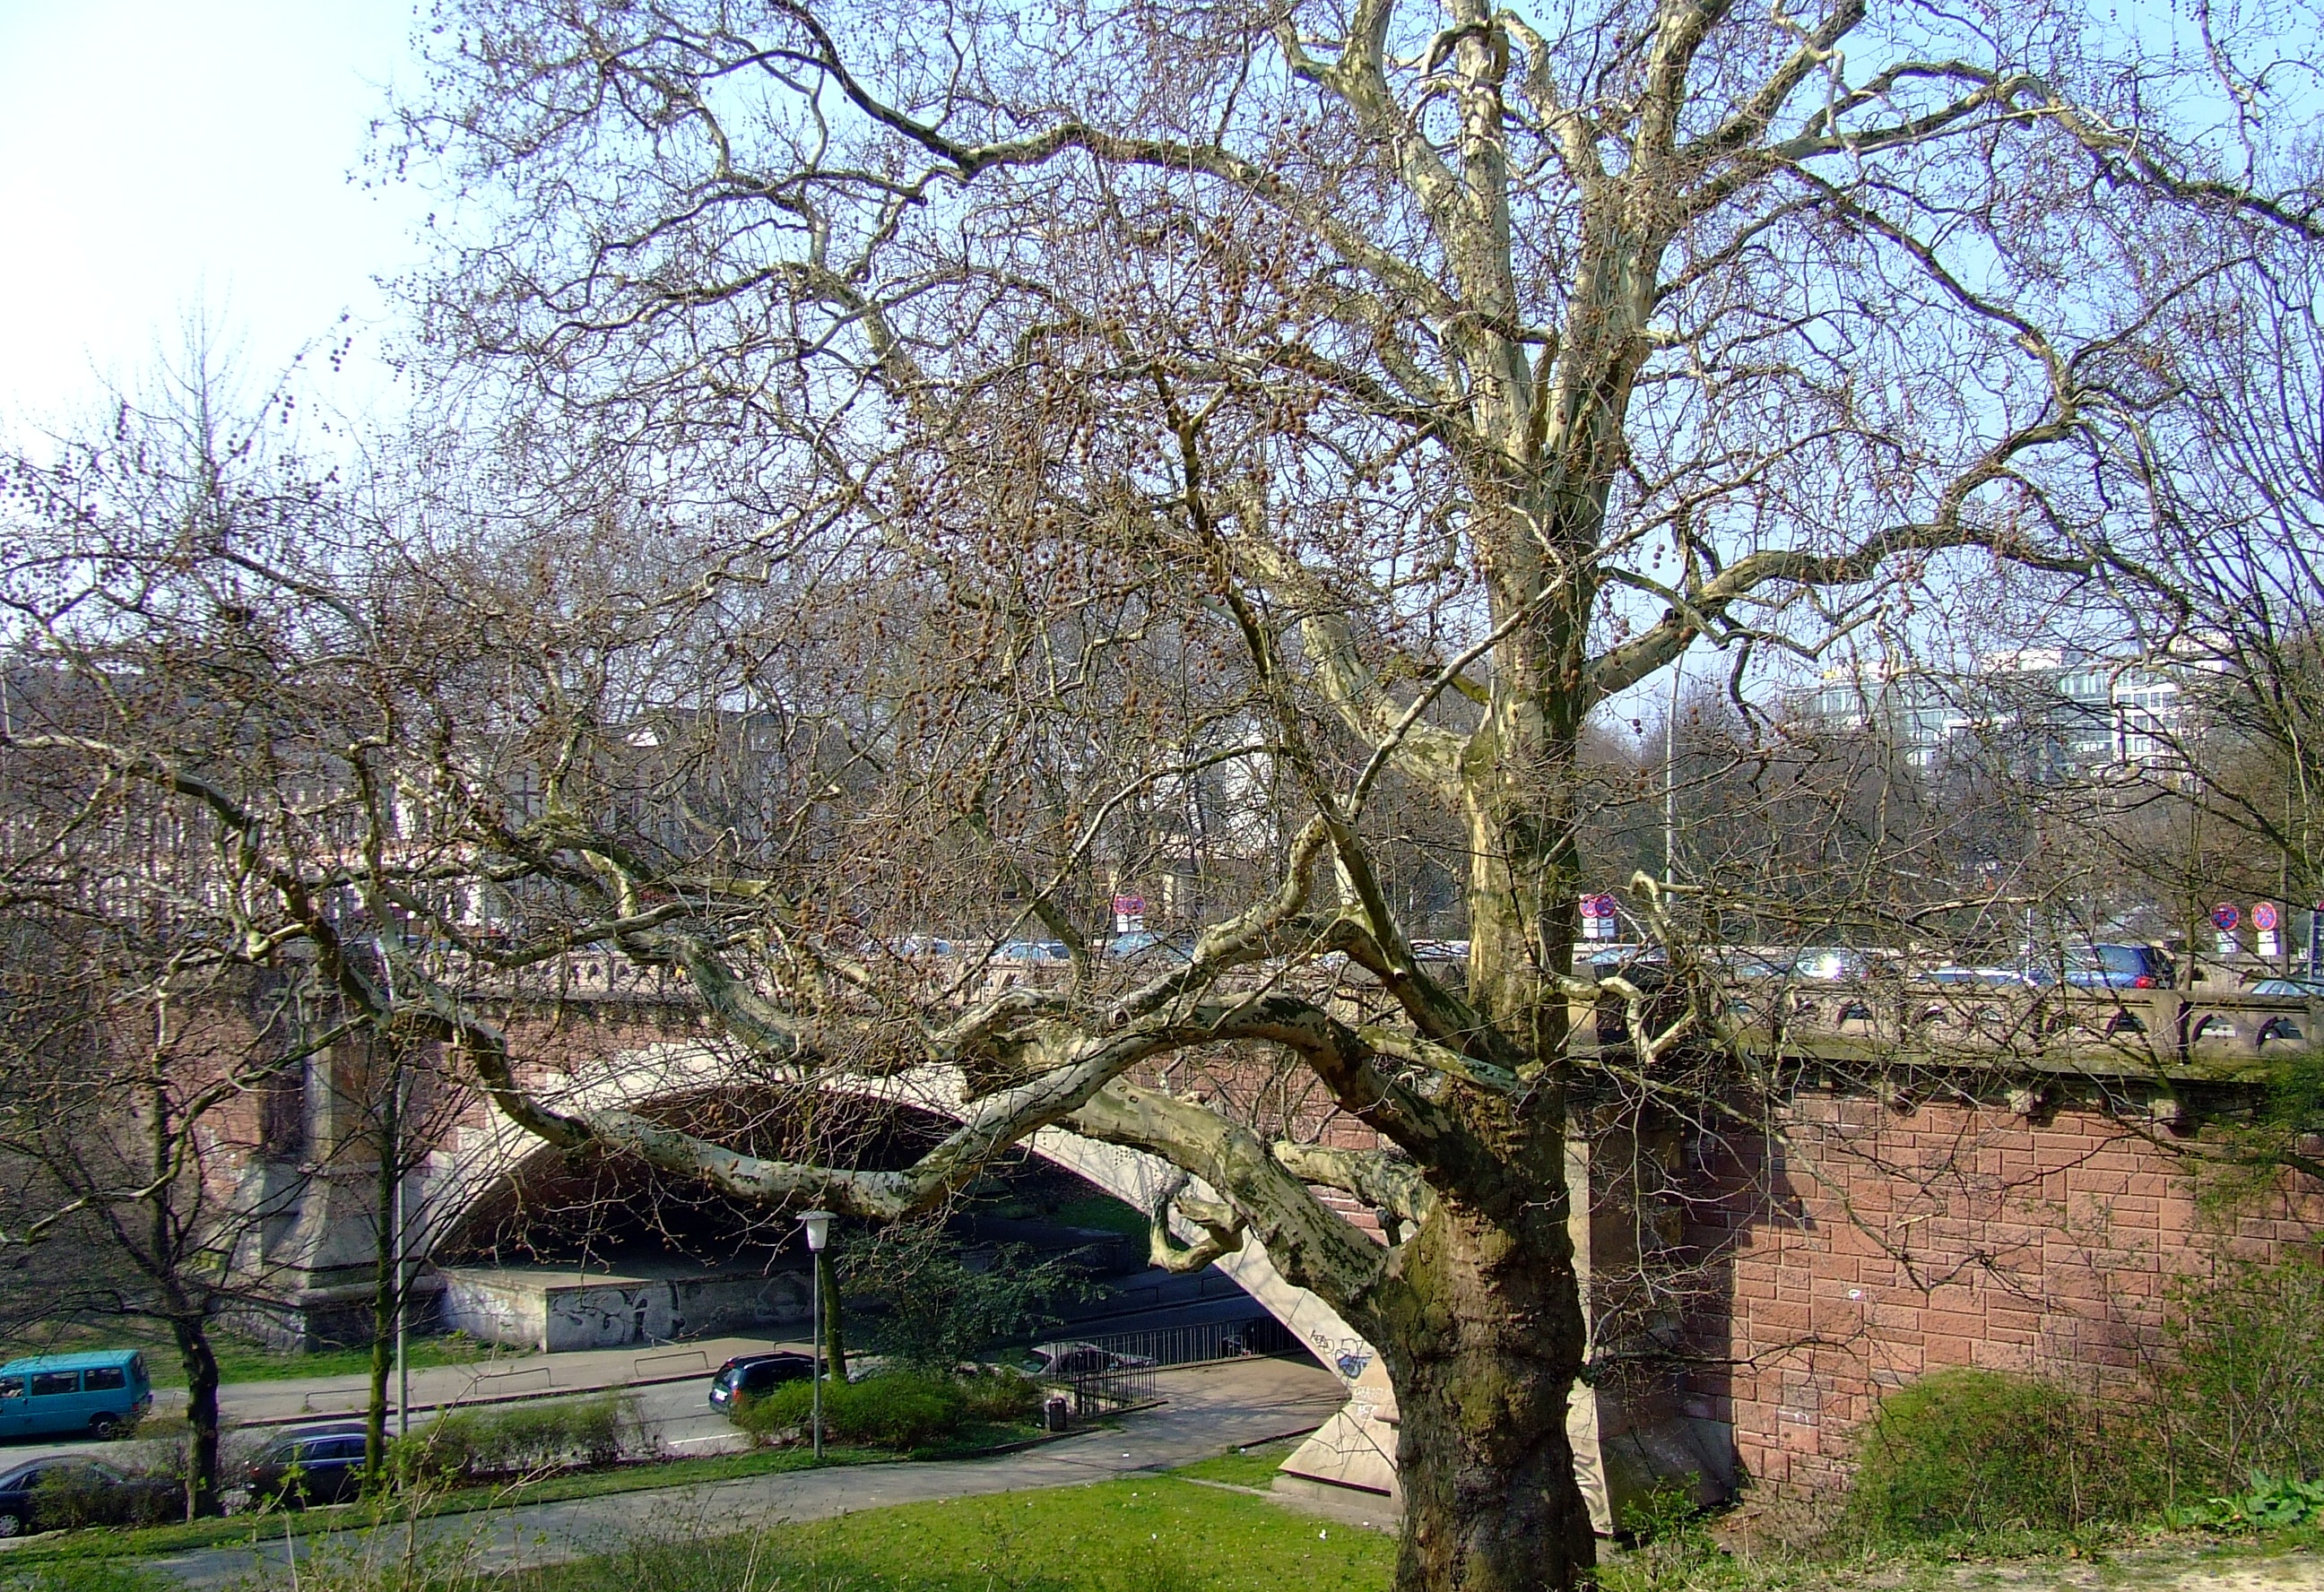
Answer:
(818, 1228)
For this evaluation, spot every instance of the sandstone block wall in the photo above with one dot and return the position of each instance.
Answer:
(1881, 1244)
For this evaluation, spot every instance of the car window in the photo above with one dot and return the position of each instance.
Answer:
(12, 1387)
(341, 1448)
(45, 1383)
(104, 1378)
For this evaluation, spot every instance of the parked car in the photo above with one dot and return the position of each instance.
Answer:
(1836, 964)
(1142, 946)
(2104, 967)
(1061, 1361)
(1033, 953)
(754, 1375)
(51, 1394)
(1993, 977)
(2298, 989)
(46, 1495)
(314, 1465)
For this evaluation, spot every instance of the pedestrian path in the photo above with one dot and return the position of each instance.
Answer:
(1206, 1409)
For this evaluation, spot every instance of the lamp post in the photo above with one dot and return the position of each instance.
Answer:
(818, 1224)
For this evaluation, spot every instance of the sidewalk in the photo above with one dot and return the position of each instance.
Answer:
(580, 1371)
(1209, 1409)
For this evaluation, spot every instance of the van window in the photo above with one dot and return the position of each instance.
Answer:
(12, 1387)
(45, 1383)
(104, 1378)
(137, 1367)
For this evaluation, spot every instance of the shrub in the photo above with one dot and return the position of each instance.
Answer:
(895, 1410)
(2246, 1385)
(1000, 1394)
(523, 1438)
(1967, 1451)
(940, 1313)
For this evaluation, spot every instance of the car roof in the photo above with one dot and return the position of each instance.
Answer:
(91, 1360)
(57, 1462)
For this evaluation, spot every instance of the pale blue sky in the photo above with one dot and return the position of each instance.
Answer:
(157, 159)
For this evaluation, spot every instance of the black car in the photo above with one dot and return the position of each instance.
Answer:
(48, 1495)
(316, 1465)
(754, 1375)
(1064, 1361)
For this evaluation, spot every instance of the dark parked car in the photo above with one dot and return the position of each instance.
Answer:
(754, 1375)
(48, 1495)
(317, 1466)
(1060, 1361)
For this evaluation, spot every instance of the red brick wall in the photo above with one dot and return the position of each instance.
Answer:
(1881, 1244)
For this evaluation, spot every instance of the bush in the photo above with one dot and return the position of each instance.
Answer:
(895, 1410)
(940, 1313)
(522, 1439)
(1966, 1451)
(1000, 1394)
(2246, 1386)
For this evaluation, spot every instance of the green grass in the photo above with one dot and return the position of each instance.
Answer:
(1105, 1213)
(112, 1543)
(1254, 1466)
(1149, 1534)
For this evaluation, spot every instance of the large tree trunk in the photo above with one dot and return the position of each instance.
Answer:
(200, 1362)
(387, 1283)
(1483, 1360)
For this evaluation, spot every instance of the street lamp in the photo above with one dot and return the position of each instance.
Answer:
(818, 1224)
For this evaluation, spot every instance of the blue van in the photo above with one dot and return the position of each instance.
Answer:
(51, 1393)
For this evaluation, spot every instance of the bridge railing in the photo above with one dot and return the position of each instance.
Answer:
(2118, 1026)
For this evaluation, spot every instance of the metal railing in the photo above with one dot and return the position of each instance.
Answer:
(1116, 1370)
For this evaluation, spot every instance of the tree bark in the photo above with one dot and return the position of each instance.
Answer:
(1483, 1358)
(834, 1331)
(387, 1284)
(194, 1351)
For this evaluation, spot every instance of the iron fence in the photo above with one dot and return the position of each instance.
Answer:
(1114, 1370)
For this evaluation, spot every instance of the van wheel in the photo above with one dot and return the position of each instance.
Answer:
(104, 1424)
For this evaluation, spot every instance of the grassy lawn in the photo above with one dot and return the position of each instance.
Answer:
(1150, 1534)
(1254, 1466)
(113, 1543)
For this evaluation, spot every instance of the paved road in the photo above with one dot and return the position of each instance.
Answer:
(1208, 1410)
(672, 1384)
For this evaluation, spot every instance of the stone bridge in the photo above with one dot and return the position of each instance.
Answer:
(2035, 1222)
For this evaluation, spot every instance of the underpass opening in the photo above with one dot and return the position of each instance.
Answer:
(595, 1250)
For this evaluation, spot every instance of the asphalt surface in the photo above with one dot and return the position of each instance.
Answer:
(1206, 1409)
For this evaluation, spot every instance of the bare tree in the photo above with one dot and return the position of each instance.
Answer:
(1433, 378)
(936, 479)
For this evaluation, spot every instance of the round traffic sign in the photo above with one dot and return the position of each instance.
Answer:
(2264, 918)
(1598, 906)
(2225, 915)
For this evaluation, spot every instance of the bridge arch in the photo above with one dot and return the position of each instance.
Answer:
(1355, 1449)
(480, 1156)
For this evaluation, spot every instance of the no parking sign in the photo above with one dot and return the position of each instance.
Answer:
(1598, 915)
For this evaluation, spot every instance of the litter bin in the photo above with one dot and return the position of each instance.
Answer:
(1056, 1414)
